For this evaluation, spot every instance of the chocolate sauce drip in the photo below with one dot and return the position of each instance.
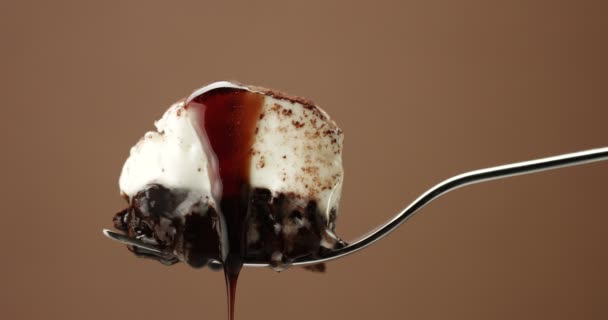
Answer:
(231, 281)
(226, 118)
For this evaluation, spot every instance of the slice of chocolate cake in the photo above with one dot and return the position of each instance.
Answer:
(235, 173)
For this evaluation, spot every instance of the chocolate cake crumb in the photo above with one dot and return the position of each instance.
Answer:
(287, 112)
(297, 124)
(283, 96)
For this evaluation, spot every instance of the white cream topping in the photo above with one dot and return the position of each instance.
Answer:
(295, 152)
(297, 149)
(172, 156)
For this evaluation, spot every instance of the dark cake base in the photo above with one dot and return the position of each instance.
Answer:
(278, 229)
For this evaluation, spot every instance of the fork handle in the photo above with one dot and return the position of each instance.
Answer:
(461, 180)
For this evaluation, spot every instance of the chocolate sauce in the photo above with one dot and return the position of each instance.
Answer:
(225, 120)
(231, 280)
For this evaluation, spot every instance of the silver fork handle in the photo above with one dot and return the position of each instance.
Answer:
(456, 182)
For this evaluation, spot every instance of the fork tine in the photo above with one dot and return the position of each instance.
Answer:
(133, 242)
(140, 244)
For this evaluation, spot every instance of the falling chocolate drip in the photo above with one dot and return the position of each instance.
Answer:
(231, 281)
(225, 120)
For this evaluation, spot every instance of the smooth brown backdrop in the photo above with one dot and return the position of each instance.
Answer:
(423, 90)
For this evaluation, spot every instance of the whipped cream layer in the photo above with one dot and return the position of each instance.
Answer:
(171, 156)
(297, 150)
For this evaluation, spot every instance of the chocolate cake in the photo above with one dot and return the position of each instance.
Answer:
(235, 173)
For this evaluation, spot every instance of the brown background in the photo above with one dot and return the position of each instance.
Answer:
(423, 90)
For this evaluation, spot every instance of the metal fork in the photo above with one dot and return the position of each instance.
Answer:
(468, 178)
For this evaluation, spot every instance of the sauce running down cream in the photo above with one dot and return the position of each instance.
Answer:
(225, 119)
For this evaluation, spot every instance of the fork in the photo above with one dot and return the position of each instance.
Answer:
(453, 183)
